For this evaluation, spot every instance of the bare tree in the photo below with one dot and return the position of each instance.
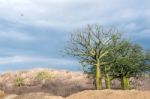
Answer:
(91, 45)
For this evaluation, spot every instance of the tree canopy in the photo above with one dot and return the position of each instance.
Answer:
(105, 53)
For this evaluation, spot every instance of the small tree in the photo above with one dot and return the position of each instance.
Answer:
(91, 45)
(111, 58)
(130, 62)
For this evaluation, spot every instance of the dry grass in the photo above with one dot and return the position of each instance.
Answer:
(63, 83)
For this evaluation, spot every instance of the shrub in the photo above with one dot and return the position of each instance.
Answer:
(43, 76)
(18, 81)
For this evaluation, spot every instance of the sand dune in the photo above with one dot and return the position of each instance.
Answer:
(110, 94)
(88, 94)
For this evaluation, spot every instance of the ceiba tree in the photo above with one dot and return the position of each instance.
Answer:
(91, 46)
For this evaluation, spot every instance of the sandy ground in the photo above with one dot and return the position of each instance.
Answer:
(88, 94)
(110, 94)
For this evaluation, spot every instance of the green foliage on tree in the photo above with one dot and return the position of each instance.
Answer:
(130, 62)
(91, 45)
(104, 53)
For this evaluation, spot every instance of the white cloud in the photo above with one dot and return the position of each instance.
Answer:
(71, 14)
(16, 36)
(143, 34)
(32, 59)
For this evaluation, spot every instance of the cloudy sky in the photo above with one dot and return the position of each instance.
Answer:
(33, 32)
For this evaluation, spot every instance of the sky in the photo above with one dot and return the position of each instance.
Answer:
(33, 33)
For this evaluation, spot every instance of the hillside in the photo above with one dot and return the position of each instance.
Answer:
(38, 83)
(88, 94)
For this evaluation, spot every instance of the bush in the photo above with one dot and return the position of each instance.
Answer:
(43, 76)
(18, 81)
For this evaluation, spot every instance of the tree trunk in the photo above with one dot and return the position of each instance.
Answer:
(107, 79)
(125, 83)
(98, 77)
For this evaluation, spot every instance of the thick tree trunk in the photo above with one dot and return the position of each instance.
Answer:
(98, 77)
(125, 83)
(107, 81)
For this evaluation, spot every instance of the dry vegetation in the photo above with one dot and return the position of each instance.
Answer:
(44, 83)
(62, 83)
